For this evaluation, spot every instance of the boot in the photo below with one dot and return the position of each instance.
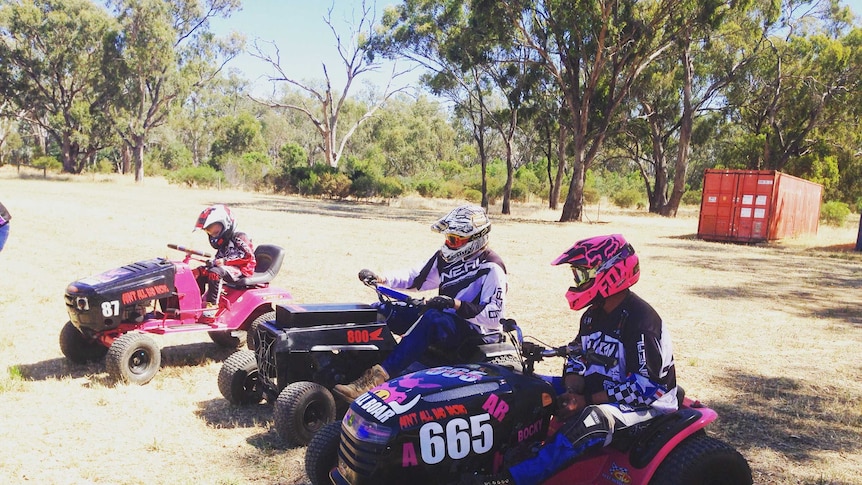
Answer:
(372, 377)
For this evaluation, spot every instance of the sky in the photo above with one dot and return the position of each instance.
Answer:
(305, 41)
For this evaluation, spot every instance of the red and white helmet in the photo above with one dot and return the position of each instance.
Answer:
(466, 229)
(217, 213)
(602, 266)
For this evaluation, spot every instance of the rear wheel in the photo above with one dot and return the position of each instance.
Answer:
(78, 348)
(303, 408)
(702, 460)
(239, 379)
(322, 453)
(229, 339)
(134, 358)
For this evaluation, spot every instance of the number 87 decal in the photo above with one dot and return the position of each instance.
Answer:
(457, 439)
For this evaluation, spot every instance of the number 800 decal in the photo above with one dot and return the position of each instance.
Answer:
(457, 439)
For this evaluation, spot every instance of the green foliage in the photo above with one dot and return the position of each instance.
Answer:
(334, 185)
(239, 135)
(627, 198)
(292, 155)
(834, 213)
(202, 176)
(47, 164)
(692, 197)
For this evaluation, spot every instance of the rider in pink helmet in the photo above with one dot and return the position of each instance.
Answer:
(623, 372)
(602, 266)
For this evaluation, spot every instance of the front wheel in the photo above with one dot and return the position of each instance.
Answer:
(239, 379)
(252, 329)
(134, 358)
(78, 348)
(322, 453)
(302, 408)
(702, 460)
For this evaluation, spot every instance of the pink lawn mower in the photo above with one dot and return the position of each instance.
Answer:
(113, 315)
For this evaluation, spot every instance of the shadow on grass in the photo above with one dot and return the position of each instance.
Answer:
(184, 355)
(220, 413)
(788, 417)
(809, 285)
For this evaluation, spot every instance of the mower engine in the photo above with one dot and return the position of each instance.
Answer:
(122, 295)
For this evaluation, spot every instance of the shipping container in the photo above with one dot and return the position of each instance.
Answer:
(757, 206)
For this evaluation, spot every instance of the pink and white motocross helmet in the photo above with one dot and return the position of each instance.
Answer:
(602, 266)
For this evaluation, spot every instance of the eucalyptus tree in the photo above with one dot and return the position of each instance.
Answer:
(50, 53)
(435, 35)
(800, 87)
(594, 50)
(680, 86)
(323, 106)
(161, 53)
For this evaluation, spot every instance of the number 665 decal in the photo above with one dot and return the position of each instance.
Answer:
(457, 439)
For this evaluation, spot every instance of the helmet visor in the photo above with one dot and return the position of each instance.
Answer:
(584, 276)
(454, 241)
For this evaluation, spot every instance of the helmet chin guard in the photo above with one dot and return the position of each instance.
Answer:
(602, 266)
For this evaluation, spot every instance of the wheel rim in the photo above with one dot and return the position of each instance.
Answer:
(313, 417)
(139, 362)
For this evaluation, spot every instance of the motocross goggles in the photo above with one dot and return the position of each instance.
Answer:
(583, 276)
(454, 241)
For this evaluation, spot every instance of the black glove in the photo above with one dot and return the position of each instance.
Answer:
(440, 302)
(368, 277)
(209, 263)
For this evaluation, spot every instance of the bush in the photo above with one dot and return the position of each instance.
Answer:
(834, 213)
(47, 163)
(427, 188)
(335, 185)
(626, 198)
(202, 176)
(692, 197)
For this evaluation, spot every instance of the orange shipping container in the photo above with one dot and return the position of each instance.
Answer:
(757, 206)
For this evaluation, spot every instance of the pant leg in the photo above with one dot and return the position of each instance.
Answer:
(590, 430)
(434, 327)
(4, 235)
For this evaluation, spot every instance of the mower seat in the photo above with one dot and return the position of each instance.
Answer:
(269, 258)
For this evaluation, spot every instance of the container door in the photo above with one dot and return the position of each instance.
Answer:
(754, 199)
(716, 211)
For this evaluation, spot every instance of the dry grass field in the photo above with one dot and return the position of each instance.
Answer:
(768, 335)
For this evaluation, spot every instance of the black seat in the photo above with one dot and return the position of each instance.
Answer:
(269, 258)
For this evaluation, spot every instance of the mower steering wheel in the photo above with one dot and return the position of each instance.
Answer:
(189, 251)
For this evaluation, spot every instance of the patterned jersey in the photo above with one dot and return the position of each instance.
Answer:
(627, 353)
(478, 281)
(238, 252)
(4, 215)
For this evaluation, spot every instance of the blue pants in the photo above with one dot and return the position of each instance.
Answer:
(433, 327)
(4, 234)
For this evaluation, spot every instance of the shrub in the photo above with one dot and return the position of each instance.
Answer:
(335, 185)
(591, 195)
(834, 213)
(201, 176)
(47, 163)
(427, 188)
(626, 198)
(692, 197)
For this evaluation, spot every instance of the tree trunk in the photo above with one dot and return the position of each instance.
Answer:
(686, 127)
(510, 175)
(556, 186)
(138, 153)
(573, 208)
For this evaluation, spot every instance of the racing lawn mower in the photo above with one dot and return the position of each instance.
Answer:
(302, 353)
(454, 424)
(112, 315)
